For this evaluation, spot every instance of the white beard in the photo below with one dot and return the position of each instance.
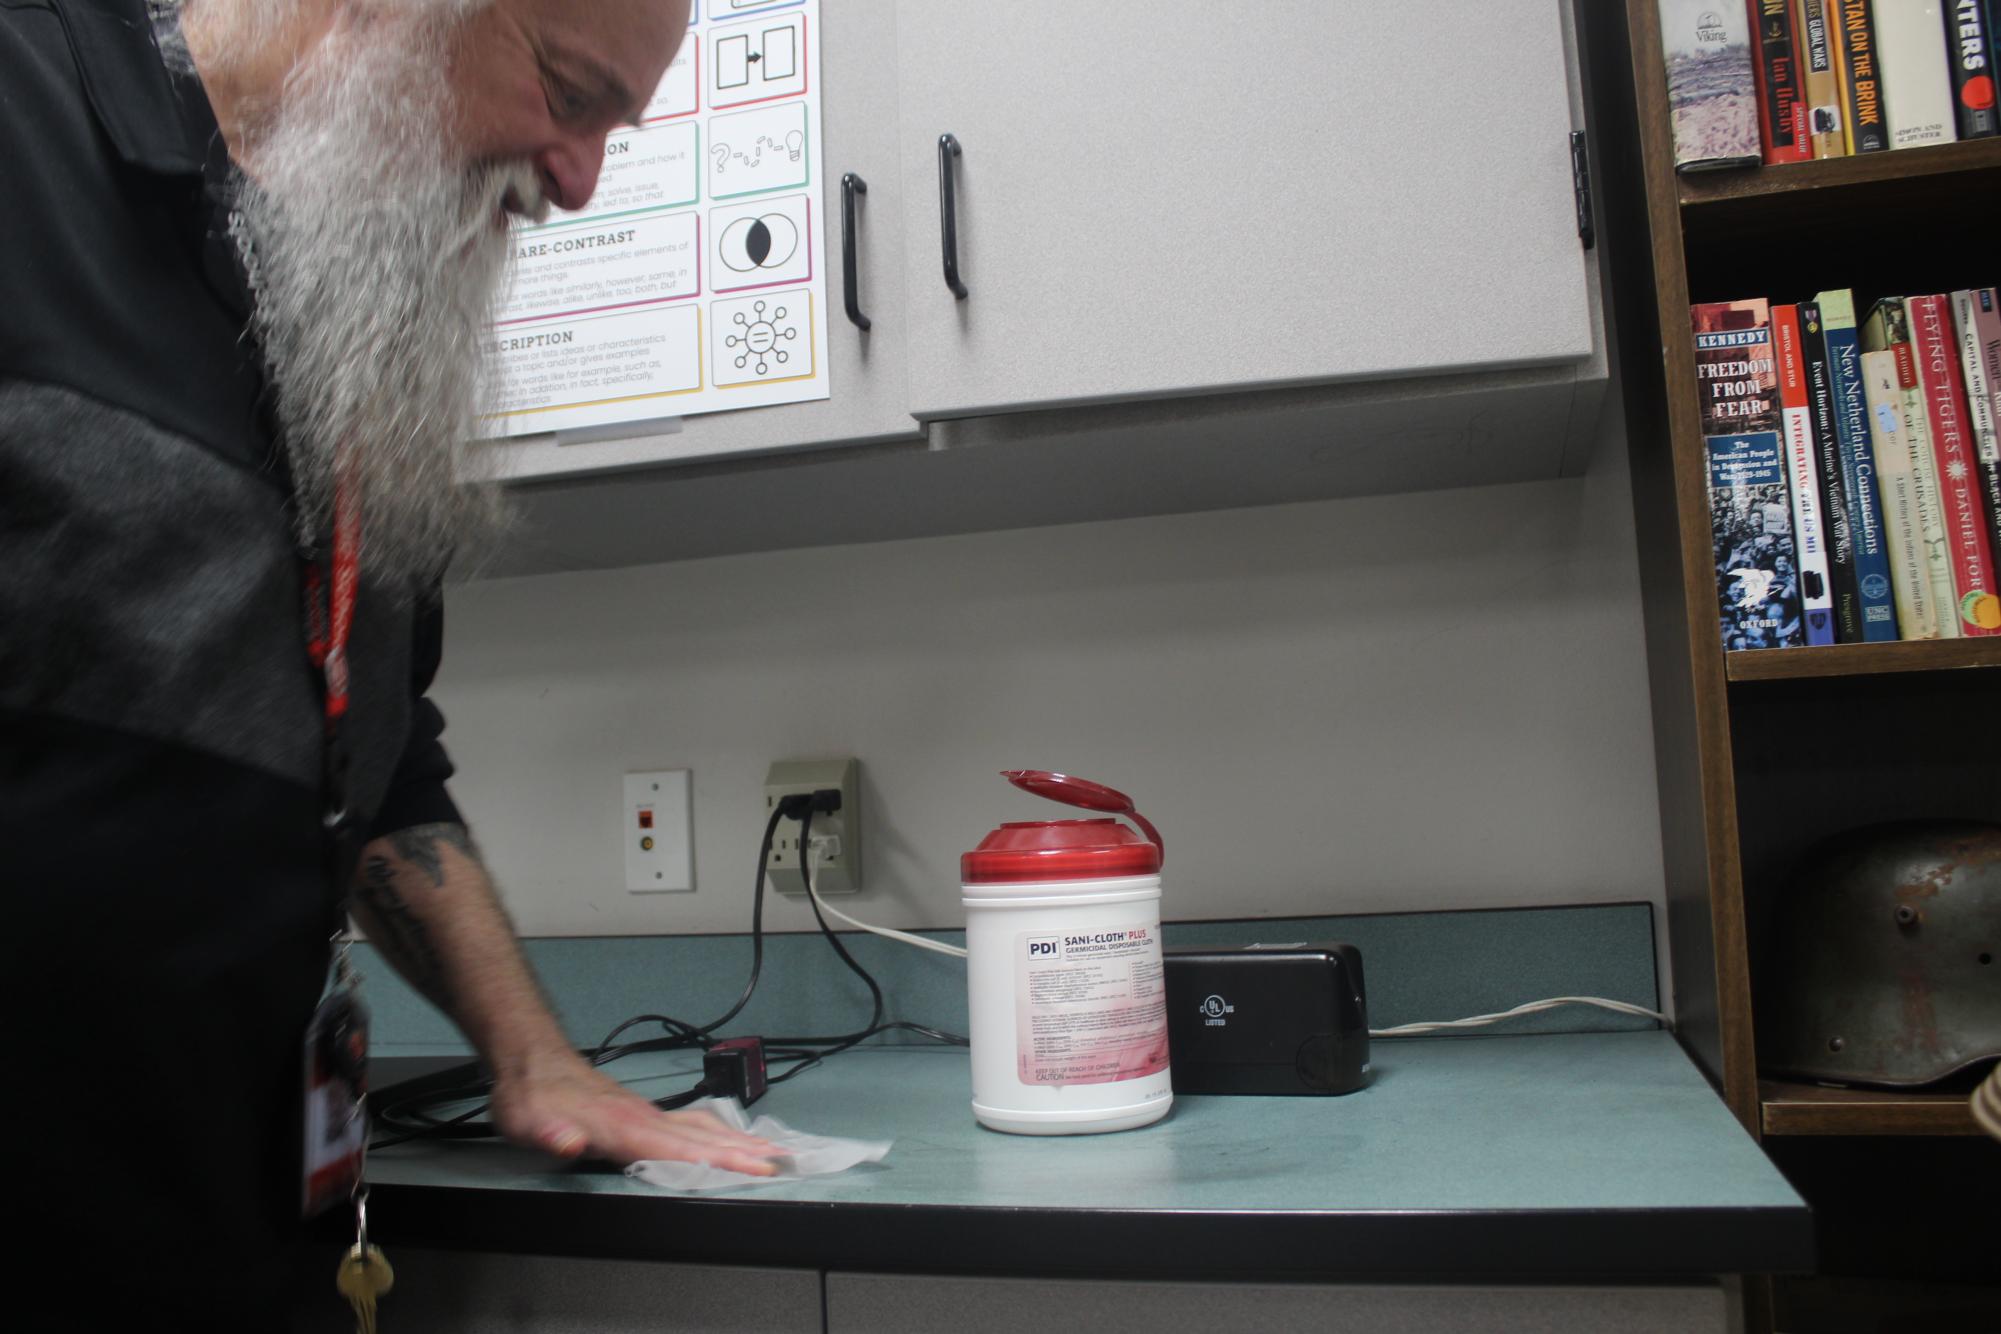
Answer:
(376, 255)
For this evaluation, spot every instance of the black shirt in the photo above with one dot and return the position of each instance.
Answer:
(169, 890)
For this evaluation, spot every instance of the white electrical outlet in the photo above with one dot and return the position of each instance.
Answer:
(657, 827)
(836, 854)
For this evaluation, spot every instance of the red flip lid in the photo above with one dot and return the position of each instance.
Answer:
(1065, 849)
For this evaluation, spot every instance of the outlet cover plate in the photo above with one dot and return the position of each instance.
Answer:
(837, 843)
(657, 827)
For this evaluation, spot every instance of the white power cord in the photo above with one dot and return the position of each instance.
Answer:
(1532, 1007)
(1401, 1030)
(887, 933)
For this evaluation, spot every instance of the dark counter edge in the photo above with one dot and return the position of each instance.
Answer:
(1631, 1245)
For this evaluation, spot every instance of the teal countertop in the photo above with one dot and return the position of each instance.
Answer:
(1553, 1155)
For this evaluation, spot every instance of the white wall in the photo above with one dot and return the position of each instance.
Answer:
(1413, 702)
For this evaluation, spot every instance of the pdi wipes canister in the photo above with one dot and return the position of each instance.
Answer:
(1063, 970)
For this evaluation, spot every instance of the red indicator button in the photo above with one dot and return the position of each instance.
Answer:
(645, 817)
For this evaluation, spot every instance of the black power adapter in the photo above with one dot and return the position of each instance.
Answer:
(1267, 1019)
(734, 1068)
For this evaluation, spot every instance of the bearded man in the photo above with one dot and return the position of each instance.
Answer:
(247, 254)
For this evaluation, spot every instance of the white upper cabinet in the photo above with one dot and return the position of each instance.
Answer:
(1163, 197)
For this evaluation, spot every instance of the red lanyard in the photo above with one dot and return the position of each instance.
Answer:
(330, 606)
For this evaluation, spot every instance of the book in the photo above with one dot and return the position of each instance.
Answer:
(1976, 321)
(1969, 51)
(1836, 526)
(1795, 419)
(1750, 506)
(1976, 604)
(1910, 60)
(1814, 30)
(1904, 530)
(1888, 330)
(1712, 94)
(1863, 127)
(1858, 466)
(1736, 370)
(1781, 108)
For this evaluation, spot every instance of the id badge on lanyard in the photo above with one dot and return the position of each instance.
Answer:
(336, 1043)
(336, 1120)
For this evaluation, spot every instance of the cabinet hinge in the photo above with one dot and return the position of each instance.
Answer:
(1580, 185)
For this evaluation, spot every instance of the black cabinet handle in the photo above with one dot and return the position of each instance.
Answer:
(851, 185)
(948, 214)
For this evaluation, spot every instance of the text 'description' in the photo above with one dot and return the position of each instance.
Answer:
(596, 369)
(586, 269)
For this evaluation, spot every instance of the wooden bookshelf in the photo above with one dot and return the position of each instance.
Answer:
(1791, 1108)
(1788, 664)
(1755, 753)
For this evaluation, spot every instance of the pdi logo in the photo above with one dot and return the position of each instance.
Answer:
(1042, 949)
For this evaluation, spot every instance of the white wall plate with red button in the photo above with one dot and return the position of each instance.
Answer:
(659, 832)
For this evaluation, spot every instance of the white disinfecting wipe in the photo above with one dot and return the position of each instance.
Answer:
(799, 1155)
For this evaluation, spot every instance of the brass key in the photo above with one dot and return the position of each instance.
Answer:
(364, 1276)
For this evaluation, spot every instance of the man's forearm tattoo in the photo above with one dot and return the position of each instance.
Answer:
(419, 845)
(404, 934)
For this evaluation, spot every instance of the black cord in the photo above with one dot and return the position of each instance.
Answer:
(778, 812)
(875, 990)
(679, 1035)
(894, 1025)
(808, 1059)
(842, 1042)
(409, 1118)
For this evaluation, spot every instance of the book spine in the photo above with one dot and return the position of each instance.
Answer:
(1750, 506)
(1861, 83)
(1917, 85)
(1736, 373)
(1779, 103)
(1888, 329)
(1976, 316)
(1976, 607)
(1900, 502)
(1809, 540)
(1969, 44)
(1926, 485)
(1757, 581)
(1836, 526)
(1815, 32)
(1712, 90)
(1858, 467)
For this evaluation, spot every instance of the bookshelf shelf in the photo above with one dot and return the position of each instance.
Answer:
(1896, 168)
(1862, 659)
(1810, 1109)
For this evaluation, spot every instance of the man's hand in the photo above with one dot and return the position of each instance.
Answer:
(427, 904)
(564, 1107)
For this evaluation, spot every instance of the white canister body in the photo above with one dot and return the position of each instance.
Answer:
(1068, 1005)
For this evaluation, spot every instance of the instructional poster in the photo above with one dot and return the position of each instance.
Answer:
(696, 279)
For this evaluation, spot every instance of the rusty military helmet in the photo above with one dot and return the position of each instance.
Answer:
(1886, 968)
